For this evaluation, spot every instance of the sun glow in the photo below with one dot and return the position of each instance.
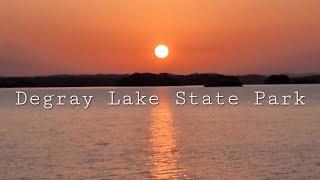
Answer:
(161, 51)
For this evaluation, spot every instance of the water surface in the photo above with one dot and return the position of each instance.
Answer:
(163, 141)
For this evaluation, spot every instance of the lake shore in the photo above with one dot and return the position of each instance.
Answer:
(149, 79)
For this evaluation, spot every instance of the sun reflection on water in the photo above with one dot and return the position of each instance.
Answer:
(165, 155)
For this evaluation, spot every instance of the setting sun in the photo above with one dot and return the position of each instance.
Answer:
(161, 51)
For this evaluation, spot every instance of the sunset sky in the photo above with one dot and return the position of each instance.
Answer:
(44, 37)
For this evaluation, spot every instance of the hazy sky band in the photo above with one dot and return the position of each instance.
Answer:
(40, 37)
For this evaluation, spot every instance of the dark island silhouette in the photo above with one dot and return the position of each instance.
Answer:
(150, 79)
(164, 79)
(278, 79)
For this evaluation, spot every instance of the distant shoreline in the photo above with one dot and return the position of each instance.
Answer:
(150, 80)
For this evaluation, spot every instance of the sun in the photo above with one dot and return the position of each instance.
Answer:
(161, 51)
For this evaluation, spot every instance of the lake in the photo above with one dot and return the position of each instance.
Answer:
(165, 141)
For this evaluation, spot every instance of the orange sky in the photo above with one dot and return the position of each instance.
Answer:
(41, 37)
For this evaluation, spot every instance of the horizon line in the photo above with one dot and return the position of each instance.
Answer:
(183, 74)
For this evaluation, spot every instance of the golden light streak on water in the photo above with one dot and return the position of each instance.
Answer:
(165, 156)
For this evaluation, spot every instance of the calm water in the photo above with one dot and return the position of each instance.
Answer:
(164, 141)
